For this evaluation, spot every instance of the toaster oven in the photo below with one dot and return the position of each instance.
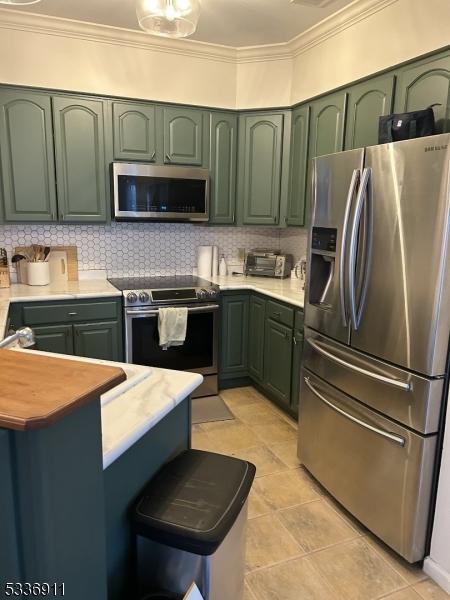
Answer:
(268, 263)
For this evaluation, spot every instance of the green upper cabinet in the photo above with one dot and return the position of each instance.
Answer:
(26, 149)
(327, 124)
(367, 101)
(260, 163)
(424, 83)
(80, 159)
(299, 166)
(134, 131)
(223, 149)
(183, 133)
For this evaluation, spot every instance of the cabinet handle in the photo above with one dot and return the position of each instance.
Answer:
(233, 217)
(168, 159)
(53, 216)
(72, 314)
(61, 216)
(277, 314)
(295, 340)
(153, 155)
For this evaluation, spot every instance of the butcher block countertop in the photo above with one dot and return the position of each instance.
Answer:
(36, 391)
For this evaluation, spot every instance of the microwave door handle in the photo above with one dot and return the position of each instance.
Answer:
(353, 250)
(351, 192)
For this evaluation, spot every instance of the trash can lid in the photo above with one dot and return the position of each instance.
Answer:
(194, 500)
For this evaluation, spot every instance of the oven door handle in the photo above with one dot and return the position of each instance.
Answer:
(154, 312)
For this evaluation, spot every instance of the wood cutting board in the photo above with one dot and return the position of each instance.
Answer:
(72, 260)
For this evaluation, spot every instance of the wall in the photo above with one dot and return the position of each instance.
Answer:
(402, 30)
(142, 248)
(437, 565)
(59, 53)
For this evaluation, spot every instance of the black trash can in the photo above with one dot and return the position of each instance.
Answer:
(191, 523)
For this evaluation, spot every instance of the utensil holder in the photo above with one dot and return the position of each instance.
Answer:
(38, 273)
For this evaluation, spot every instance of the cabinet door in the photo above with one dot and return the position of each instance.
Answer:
(26, 150)
(260, 154)
(297, 355)
(183, 136)
(222, 193)
(80, 159)
(425, 83)
(256, 337)
(299, 166)
(278, 360)
(234, 336)
(327, 124)
(367, 102)
(97, 340)
(54, 338)
(134, 131)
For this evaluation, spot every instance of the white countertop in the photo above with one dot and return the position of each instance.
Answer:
(287, 290)
(70, 290)
(133, 407)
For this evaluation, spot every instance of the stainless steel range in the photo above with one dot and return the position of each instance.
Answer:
(143, 296)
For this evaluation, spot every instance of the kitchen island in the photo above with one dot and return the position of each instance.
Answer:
(74, 454)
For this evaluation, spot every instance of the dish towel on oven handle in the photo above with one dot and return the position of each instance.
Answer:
(172, 325)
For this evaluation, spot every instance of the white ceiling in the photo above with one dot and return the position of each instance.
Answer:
(229, 22)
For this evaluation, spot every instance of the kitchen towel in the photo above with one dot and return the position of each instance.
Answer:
(204, 261)
(172, 325)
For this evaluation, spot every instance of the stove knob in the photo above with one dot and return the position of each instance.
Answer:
(202, 294)
(144, 297)
(212, 294)
(132, 297)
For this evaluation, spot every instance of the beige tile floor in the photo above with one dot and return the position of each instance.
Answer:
(301, 545)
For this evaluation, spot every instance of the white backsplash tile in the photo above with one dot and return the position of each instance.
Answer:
(143, 248)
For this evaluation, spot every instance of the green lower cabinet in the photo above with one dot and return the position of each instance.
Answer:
(97, 340)
(278, 360)
(297, 355)
(256, 337)
(234, 336)
(367, 102)
(424, 83)
(54, 338)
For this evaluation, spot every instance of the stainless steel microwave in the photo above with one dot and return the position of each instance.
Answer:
(144, 192)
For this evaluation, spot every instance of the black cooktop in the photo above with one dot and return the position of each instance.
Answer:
(159, 283)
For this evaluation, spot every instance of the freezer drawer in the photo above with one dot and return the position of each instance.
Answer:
(379, 471)
(412, 400)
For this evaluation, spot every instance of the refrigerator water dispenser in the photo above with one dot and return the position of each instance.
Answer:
(323, 260)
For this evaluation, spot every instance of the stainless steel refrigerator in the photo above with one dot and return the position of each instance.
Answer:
(377, 323)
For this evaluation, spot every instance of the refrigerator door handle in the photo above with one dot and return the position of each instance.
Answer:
(398, 384)
(364, 196)
(390, 436)
(351, 192)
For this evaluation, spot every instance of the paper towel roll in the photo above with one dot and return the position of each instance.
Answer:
(204, 261)
(215, 260)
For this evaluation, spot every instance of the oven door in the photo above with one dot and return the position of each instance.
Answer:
(197, 354)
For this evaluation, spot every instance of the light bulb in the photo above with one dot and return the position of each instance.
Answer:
(169, 18)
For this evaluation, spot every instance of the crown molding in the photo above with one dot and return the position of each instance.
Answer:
(347, 17)
(116, 36)
(354, 13)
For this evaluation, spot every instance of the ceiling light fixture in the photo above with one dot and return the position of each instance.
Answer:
(19, 2)
(168, 18)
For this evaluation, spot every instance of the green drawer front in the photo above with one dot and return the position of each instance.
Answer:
(66, 313)
(299, 319)
(280, 313)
